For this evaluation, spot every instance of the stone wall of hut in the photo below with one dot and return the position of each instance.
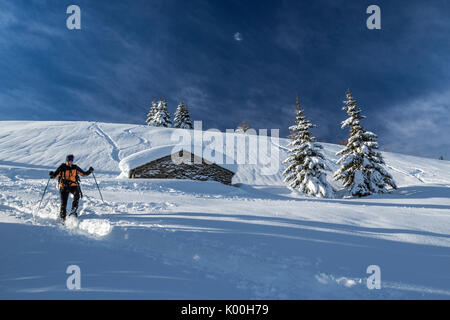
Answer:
(165, 168)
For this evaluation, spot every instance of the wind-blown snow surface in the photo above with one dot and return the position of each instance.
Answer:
(179, 239)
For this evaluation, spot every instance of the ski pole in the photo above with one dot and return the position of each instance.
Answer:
(98, 187)
(44, 193)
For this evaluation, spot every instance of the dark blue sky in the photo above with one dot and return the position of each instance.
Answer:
(130, 52)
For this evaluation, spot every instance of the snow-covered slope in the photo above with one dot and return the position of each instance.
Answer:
(104, 145)
(189, 239)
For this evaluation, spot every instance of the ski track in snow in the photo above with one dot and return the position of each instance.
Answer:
(142, 141)
(115, 148)
(414, 174)
(187, 239)
(417, 173)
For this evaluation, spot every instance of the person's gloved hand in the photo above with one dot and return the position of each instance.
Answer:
(91, 169)
(51, 174)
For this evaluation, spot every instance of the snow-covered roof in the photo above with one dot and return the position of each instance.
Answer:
(143, 157)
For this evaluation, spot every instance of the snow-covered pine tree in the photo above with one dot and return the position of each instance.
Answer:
(292, 129)
(161, 117)
(361, 170)
(151, 114)
(181, 118)
(306, 170)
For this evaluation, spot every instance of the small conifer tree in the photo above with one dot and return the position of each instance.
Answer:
(306, 170)
(182, 118)
(361, 170)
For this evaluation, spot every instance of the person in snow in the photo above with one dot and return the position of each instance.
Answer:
(68, 178)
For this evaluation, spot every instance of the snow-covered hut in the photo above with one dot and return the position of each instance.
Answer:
(178, 162)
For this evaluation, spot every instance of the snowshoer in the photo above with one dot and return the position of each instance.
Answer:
(68, 178)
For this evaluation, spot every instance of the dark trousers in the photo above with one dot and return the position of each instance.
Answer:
(64, 193)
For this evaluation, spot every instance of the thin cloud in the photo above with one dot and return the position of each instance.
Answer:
(418, 127)
(238, 36)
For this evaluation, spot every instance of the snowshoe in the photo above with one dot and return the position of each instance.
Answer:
(73, 212)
